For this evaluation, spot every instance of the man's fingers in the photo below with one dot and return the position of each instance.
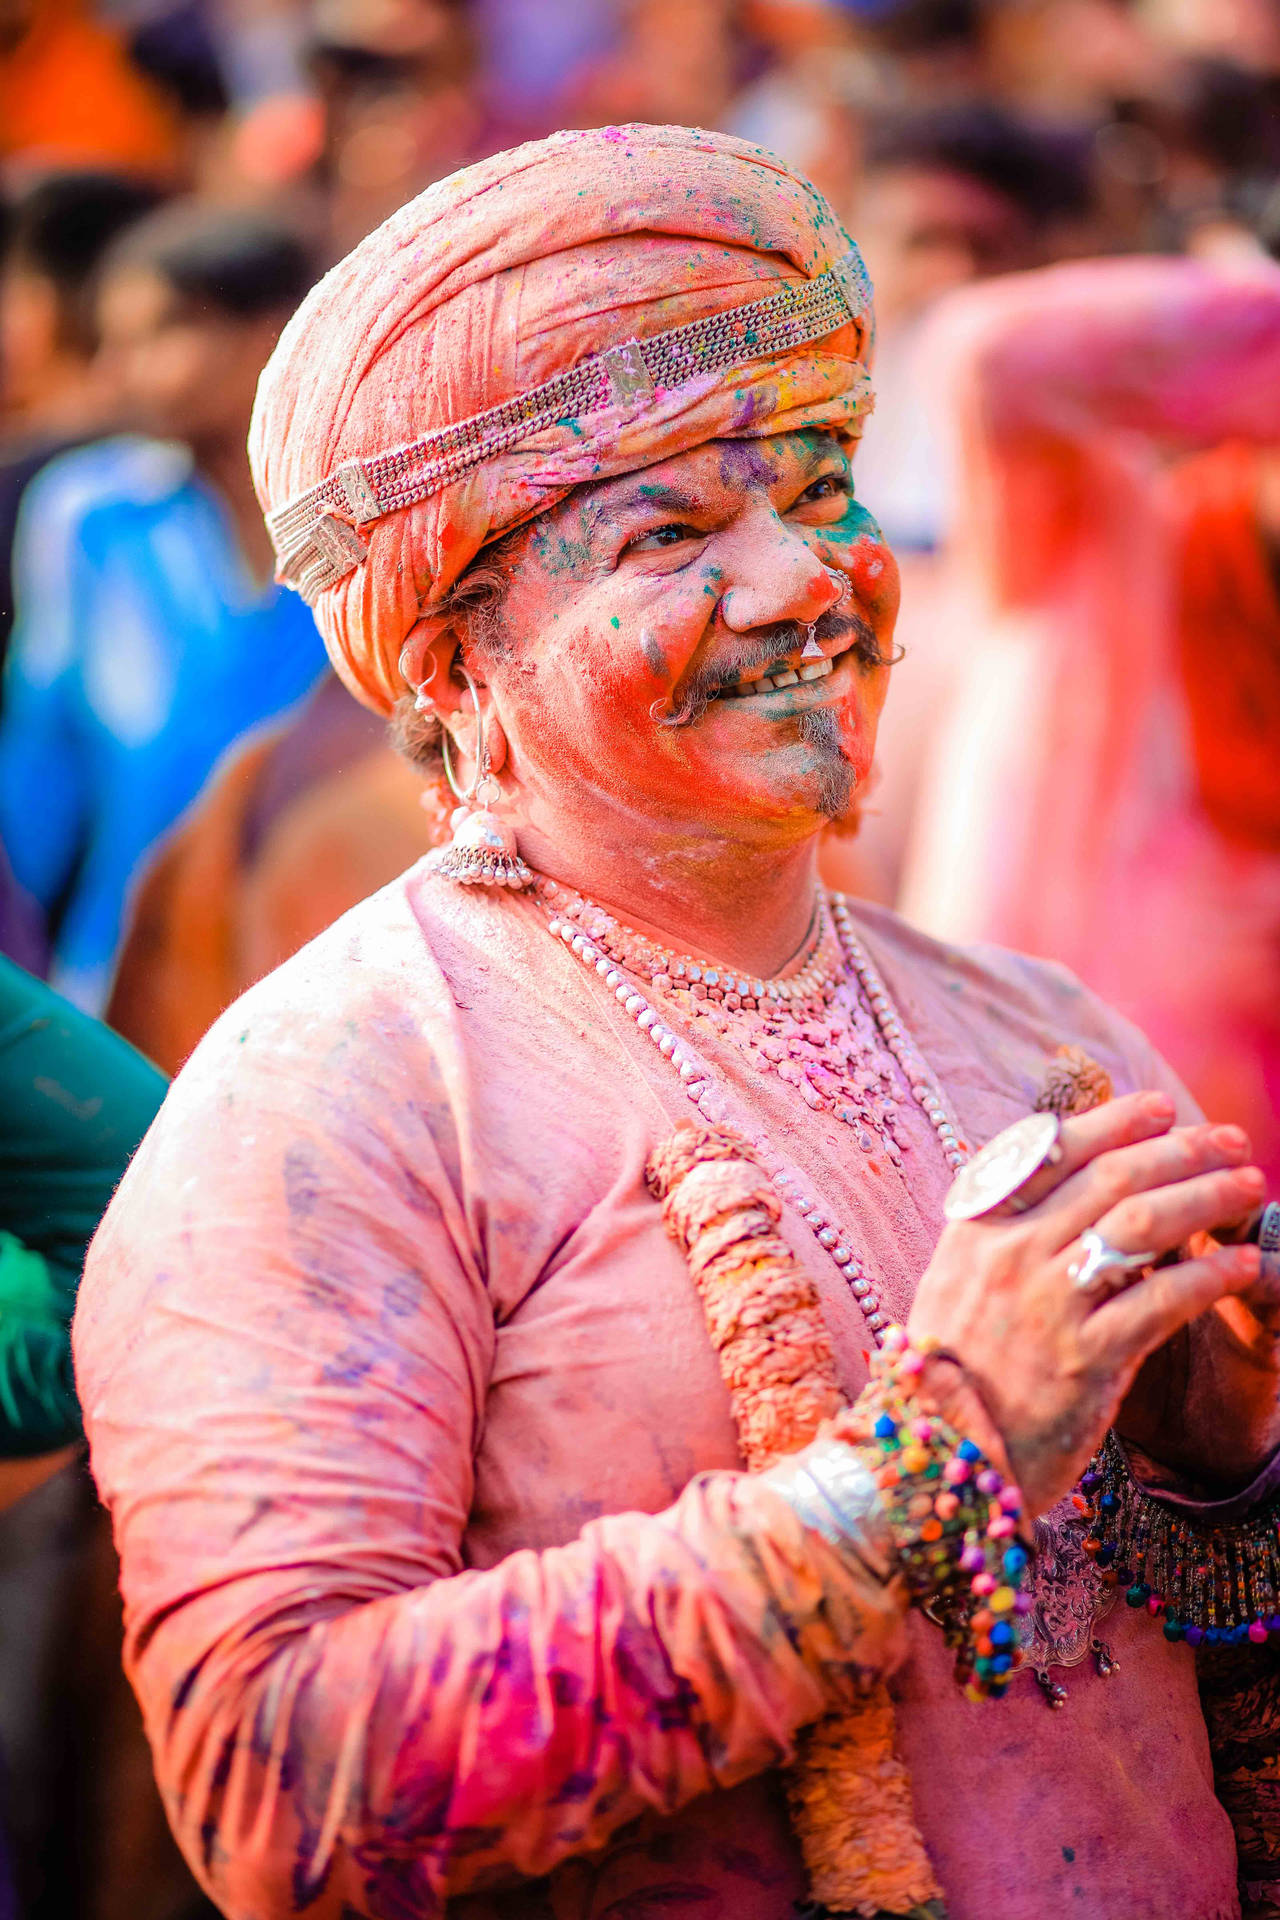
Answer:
(1113, 1176)
(1116, 1123)
(1165, 1217)
(1133, 1324)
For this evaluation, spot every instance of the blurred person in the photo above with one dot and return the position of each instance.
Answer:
(397, 87)
(51, 395)
(299, 825)
(75, 1100)
(1103, 785)
(1069, 61)
(71, 96)
(672, 61)
(82, 1818)
(473, 1250)
(806, 103)
(946, 197)
(149, 633)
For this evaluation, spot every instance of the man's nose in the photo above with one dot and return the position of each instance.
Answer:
(774, 576)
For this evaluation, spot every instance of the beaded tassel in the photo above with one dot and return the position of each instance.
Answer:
(849, 1794)
(1219, 1585)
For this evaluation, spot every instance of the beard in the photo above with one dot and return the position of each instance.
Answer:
(837, 780)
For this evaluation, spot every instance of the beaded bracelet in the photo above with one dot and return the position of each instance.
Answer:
(953, 1517)
(1212, 1582)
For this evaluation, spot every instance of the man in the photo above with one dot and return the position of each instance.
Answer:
(57, 231)
(402, 1349)
(149, 636)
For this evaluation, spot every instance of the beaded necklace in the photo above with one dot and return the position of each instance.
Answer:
(809, 1027)
(698, 1079)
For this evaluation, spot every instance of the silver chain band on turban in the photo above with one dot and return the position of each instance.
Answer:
(316, 535)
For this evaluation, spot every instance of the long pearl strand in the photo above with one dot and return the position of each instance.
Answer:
(698, 1082)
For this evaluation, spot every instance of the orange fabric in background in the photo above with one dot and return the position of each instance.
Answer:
(1229, 643)
(222, 904)
(69, 96)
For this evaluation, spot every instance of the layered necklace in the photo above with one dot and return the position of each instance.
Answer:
(828, 1028)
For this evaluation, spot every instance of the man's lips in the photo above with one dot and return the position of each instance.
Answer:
(789, 671)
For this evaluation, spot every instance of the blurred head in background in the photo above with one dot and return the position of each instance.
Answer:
(962, 192)
(57, 230)
(396, 83)
(190, 303)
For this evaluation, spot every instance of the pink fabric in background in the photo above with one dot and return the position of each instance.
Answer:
(385, 1359)
(499, 277)
(1061, 813)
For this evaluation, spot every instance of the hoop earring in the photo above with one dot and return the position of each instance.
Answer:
(418, 688)
(811, 649)
(483, 851)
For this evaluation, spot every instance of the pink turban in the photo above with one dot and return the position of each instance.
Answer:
(491, 283)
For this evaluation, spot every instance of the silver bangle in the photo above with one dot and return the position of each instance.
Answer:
(1269, 1228)
(832, 1490)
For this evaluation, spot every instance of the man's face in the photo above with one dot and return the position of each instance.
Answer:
(171, 370)
(644, 615)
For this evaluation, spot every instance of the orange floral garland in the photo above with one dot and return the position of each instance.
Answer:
(849, 1794)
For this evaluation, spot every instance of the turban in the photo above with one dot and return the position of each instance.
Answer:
(405, 417)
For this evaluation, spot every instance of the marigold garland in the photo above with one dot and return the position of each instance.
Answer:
(849, 1794)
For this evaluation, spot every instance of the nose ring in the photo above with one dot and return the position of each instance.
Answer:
(838, 579)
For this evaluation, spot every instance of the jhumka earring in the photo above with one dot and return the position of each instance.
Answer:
(811, 650)
(482, 852)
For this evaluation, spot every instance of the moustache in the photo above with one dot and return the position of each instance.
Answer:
(762, 648)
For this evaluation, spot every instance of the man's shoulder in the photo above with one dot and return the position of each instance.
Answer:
(358, 987)
(124, 469)
(997, 996)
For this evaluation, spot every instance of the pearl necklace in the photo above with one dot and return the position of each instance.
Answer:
(802, 991)
(699, 1085)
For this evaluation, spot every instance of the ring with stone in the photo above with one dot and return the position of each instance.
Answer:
(1003, 1166)
(1099, 1259)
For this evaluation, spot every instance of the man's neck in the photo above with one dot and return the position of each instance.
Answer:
(749, 908)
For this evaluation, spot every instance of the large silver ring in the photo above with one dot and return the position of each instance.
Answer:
(1091, 1273)
(1004, 1165)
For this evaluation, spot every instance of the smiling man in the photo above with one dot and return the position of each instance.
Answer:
(443, 1582)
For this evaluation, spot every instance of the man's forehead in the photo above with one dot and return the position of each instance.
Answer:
(678, 484)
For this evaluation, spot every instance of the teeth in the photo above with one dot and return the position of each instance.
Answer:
(785, 677)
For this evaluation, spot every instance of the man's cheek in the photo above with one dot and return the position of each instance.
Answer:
(873, 572)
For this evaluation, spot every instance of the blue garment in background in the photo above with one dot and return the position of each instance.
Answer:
(142, 650)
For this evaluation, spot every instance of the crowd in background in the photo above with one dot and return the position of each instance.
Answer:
(187, 793)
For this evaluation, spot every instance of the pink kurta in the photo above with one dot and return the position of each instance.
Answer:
(383, 1317)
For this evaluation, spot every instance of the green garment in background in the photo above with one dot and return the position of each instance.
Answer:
(75, 1100)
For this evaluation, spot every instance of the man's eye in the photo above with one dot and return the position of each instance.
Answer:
(672, 535)
(830, 487)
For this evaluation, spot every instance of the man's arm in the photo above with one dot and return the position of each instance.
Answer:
(283, 1347)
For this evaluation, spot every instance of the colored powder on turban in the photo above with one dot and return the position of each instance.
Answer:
(503, 275)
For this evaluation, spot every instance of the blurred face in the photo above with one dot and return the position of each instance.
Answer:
(28, 336)
(924, 230)
(657, 659)
(173, 371)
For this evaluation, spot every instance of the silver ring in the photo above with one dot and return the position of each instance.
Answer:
(1090, 1273)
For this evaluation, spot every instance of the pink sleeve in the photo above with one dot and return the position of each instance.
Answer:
(1173, 350)
(282, 1346)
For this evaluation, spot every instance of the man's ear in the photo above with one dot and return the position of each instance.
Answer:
(428, 661)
